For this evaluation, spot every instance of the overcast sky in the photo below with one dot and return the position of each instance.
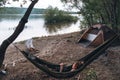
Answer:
(40, 4)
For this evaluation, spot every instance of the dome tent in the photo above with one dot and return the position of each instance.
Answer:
(96, 35)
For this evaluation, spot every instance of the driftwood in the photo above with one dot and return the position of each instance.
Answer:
(16, 33)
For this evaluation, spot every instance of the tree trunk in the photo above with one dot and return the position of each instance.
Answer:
(17, 31)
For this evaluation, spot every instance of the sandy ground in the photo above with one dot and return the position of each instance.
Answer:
(57, 49)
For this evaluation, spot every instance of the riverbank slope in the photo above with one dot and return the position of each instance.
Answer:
(57, 49)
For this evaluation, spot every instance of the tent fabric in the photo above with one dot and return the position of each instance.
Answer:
(96, 35)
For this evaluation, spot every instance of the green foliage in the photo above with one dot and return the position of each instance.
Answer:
(102, 11)
(90, 75)
(98, 11)
(91, 12)
(54, 15)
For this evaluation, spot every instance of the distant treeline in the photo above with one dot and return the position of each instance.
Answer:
(16, 10)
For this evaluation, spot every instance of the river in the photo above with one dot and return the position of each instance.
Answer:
(34, 28)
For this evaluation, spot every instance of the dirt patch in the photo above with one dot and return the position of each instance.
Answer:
(57, 49)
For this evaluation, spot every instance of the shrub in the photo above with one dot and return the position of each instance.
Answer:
(54, 15)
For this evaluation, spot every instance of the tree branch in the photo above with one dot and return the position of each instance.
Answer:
(16, 33)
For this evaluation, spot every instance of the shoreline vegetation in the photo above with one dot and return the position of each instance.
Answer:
(18, 10)
(54, 16)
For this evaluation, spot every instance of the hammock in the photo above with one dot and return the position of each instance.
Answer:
(53, 69)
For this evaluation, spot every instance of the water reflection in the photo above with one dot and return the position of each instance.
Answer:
(52, 28)
(34, 28)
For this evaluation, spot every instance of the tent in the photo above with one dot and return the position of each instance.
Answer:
(96, 35)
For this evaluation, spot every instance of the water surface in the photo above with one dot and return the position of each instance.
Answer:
(34, 28)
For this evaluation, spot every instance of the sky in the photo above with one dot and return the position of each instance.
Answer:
(39, 4)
